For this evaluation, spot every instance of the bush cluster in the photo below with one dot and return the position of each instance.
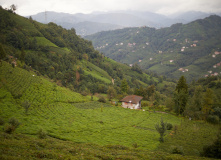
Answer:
(102, 99)
(177, 150)
(169, 126)
(41, 134)
(11, 127)
(212, 119)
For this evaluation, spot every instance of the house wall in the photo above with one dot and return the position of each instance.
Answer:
(130, 105)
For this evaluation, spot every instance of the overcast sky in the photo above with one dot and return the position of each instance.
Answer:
(30, 7)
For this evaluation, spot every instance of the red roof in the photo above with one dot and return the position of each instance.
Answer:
(132, 99)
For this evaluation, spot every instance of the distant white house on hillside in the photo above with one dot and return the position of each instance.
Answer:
(132, 102)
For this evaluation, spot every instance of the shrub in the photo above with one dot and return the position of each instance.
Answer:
(14, 122)
(177, 150)
(213, 150)
(102, 99)
(2, 122)
(9, 129)
(26, 105)
(135, 145)
(84, 93)
(217, 111)
(41, 134)
(169, 126)
(212, 119)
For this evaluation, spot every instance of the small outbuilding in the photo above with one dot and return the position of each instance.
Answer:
(132, 102)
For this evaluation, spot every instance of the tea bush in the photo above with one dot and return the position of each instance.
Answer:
(169, 126)
(213, 119)
(42, 134)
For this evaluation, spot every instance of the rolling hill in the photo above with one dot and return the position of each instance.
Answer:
(190, 49)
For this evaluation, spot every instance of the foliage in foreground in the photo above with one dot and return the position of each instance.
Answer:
(20, 146)
(189, 138)
(213, 150)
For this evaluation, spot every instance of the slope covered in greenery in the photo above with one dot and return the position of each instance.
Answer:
(64, 57)
(187, 50)
(74, 127)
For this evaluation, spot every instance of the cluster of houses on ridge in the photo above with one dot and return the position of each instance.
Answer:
(212, 74)
(183, 70)
(215, 54)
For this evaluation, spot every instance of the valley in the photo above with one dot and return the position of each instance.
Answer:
(60, 98)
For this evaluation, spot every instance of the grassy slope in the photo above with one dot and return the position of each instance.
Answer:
(63, 115)
(44, 42)
(97, 72)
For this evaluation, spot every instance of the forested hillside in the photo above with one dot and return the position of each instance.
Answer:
(192, 50)
(65, 58)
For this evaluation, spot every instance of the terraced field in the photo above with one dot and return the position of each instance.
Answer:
(69, 116)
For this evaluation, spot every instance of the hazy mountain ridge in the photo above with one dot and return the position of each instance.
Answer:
(166, 50)
(115, 20)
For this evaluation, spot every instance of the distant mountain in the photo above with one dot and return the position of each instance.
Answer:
(191, 49)
(86, 24)
(190, 16)
(87, 28)
(91, 23)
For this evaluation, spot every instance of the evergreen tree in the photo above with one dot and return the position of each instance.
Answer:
(180, 101)
(22, 55)
(208, 102)
(182, 85)
(181, 95)
(2, 53)
(197, 101)
(161, 129)
(124, 86)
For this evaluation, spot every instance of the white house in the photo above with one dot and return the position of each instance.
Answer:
(132, 102)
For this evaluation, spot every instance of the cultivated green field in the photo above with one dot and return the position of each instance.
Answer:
(69, 116)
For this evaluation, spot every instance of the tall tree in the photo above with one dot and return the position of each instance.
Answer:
(22, 55)
(181, 95)
(13, 8)
(182, 85)
(180, 101)
(208, 102)
(150, 90)
(2, 53)
(197, 101)
(161, 129)
(124, 86)
(111, 93)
